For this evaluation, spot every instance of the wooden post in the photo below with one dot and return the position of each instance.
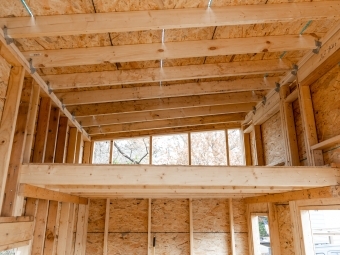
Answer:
(227, 146)
(51, 233)
(42, 130)
(232, 230)
(150, 151)
(247, 151)
(149, 226)
(63, 228)
(191, 226)
(31, 210)
(81, 233)
(111, 152)
(314, 157)
(40, 227)
(61, 140)
(17, 151)
(189, 148)
(31, 122)
(71, 220)
(87, 153)
(274, 229)
(71, 148)
(78, 156)
(296, 230)
(52, 135)
(259, 146)
(92, 148)
(106, 230)
(288, 128)
(8, 120)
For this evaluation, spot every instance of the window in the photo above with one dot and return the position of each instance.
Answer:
(170, 150)
(261, 237)
(131, 151)
(101, 152)
(235, 147)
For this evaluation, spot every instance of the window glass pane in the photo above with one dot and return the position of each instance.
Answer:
(235, 147)
(131, 151)
(264, 235)
(170, 150)
(101, 152)
(208, 148)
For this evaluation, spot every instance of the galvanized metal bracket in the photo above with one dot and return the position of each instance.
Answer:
(8, 39)
(318, 47)
(278, 86)
(50, 90)
(254, 110)
(264, 100)
(30, 61)
(295, 69)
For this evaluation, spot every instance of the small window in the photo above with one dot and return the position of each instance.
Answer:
(261, 237)
(236, 157)
(131, 151)
(101, 152)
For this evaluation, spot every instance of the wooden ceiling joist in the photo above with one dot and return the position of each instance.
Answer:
(149, 92)
(167, 131)
(166, 103)
(168, 19)
(170, 50)
(81, 174)
(160, 124)
(120, 77)
(108, 119)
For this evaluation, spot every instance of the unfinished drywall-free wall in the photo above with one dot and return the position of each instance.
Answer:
(5, 70)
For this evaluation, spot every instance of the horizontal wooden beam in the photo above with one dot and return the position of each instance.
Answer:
(67, 174)
(27, 190)
(14, 245)
(322, 192)
(167, 131)
(168, 19)
(119, 77)
(16, 219)
(166, 103)
(169, 50)
(149, 92)
(326, 144)
(15, 232)
(119, 118)
(292, 96)
(171, 123)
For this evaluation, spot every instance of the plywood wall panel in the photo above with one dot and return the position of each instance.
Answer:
(285, 230)
(332, 155)
(212, 244)
(170, 215)
(172, 243)
(240, 216)
(94, 243)
(96, 220)
(211, 215)
(273, 142)
(127, 243)
(299, 133)
(128, 215)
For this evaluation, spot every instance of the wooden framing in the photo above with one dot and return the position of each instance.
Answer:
(72, 145)
(106, 227)
(40, 227)
(81, 230)
(258, 146)
(120, 77)
(8, 121)
(27, 190)
(52, 135)
(232, 230)
(12, 233)
(159, 19)
(18, 147)
(87, 153)
(42, 130)
(71, 221)
(63, 228)
(326, 144)
(51, 227)
(61, 148)
(79, 149)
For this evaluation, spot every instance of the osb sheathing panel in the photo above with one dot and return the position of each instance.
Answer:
(212, 244)
(172, 243)
(332, 155)
(253, 147)
(241, 243)
(299, 133)
(258, 208)
(272, 139)
(96, 220)
(285, 230)
(128, 215)
(127, 243)
(240, 216)
(210, 215)
(94, 243)
(170, 215)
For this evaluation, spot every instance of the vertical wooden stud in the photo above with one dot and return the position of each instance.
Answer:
(8, 121)
(18, 147)
(78, 156)
(191, 226)
(189, 148)
(42, 130)
(106, 228)
(52, 135)
(297, 232)
(227, 146)
(85, 228)
(50, 235)
(274, 229)
(33, 111)
(92, 148)
(30, 210)
(63, 228)
(87, 153)
(40, 227)
(71, 220)
(247, 150)
(149, 227)
(71, 148)
(80, 242)
(150, 151)
(259, 146)
(232, 230)
(111, 152)
(61, 140)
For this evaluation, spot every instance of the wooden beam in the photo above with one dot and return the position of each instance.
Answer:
(55, 174)
(8, 121)
(18, 147)
(166, 103)
(167, 131)
(169, 50)
(87, 153)
(149, 92)
(182, 122)
(71, 220)
(14, 245)
(247, 150)
(91, 23)
(33, 111)
(51, 234)
(326, 144)
(79, 148)
(81, 230)
(232, 227)
(16, 219)
(40, 227)
(119, 118)
(71, 147)
(15, 232)
(106, 227)
(31, 211)
(61, 141)
(259, 146)
(314, 193)
(52, 135)
(27, 190)
(42, 130)
(119, 77)
(274, 233)
(6, 54)
(63, 228)
(191, 228)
